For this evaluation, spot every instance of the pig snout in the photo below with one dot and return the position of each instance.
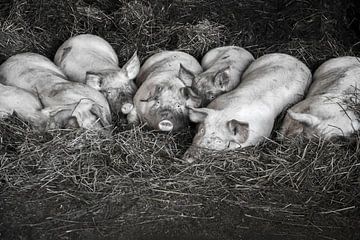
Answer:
(165, 125)
(191, 155)
(126, 108)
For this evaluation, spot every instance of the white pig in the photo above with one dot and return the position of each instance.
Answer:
(24, 104)
(246, 115)
(223, 67)
(324, 112)
(164, 90)
(67, 104)
(90, 59)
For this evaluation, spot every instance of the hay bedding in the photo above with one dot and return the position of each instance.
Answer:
(133, 184)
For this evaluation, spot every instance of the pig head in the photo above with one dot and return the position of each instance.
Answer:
(117, 85)
(90, 59)
(162, 100)
(223, 67)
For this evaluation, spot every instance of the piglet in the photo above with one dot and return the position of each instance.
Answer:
(164, 93)
(246, 115)
(90, 59)
(325, 111)
(223, 67)
(67, 104)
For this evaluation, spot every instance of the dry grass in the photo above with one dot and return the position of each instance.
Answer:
(133, 184)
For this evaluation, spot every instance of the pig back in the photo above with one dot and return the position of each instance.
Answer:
(227, 54)
(336, 76)
(29, 71)
(273, 80)
(83, 53)
(167, 63)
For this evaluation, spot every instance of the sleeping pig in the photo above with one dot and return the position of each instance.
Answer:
(25, 104)
(164, 90)
(223, 67)
(325, 112)
(67, 104)
(90, 59)
(246, 115)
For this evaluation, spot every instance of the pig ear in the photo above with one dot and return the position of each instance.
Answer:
(198, 115)
(192, 99)
(94, 80)
(186, 75)
(239, 129)
(304, 118)
(80, 110)
(132, 67)
(99, 112)
(222, 78)
(87, 105)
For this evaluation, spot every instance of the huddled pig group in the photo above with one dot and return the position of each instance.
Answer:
(233, 97)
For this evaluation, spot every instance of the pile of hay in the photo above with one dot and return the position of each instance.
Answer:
(133, 184)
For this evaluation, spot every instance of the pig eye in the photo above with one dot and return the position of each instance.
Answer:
(210, 95)
(202, 130)
(178, 105)
(158, 89)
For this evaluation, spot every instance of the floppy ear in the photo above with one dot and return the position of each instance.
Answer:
(86, 106)
(304, 118)
(222, 78)
(132, 67)
(99, 112)
(239, 129)
(192, 99)
(186, 75)
(80, 111)
(93, 80)
(198, 115)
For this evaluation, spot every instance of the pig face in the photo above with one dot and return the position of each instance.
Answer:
(85, 114)
(166, 107)
(216, 133)
(117, 85)
(210, 84)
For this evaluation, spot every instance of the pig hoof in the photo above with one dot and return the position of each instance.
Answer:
(166, 125)
(126, 108)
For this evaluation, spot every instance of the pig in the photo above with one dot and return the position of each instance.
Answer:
(245, 116)
(67, 104)
(223, 67)
(165, 92)
(25, 105)
(324, 112)
(90, 59)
